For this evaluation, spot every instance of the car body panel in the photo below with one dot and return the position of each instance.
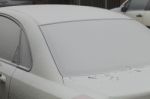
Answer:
(6, 72)
(146, 18)
(74, 13)
(134, 14)
(26, 85)
(131, 83)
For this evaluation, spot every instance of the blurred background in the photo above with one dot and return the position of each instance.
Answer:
(108, 4)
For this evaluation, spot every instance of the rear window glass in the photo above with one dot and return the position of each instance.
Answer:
(93, 47)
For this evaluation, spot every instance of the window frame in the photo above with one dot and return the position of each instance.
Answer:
(126, 4)
(23, 31)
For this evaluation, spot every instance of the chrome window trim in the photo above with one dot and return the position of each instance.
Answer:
(13, 64)
(24, 31)
(8, 62)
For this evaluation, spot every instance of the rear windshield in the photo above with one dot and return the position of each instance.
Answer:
(98, 46)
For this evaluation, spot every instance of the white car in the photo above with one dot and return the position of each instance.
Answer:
(138, 9)
(72, 52)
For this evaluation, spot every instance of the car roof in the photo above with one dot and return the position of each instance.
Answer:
(47, 14)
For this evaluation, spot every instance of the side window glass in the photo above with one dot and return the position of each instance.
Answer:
(25, 54)
(9, 39)
(138, 4)
(149, 5)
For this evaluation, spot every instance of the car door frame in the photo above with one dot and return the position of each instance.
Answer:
(24, 31)
(12, 65)
(6, 71)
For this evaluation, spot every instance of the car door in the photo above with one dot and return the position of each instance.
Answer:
(9, 41)
(6, 72)
(136, 9)
(146, 17)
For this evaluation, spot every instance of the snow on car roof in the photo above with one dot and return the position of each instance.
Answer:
(46, 14)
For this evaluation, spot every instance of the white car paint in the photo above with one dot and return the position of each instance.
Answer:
(45, 80)
(114, 83)
(144, 13)
(6, 71)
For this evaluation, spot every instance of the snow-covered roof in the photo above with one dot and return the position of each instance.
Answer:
(45, 14)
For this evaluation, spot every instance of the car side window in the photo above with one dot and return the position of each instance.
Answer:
(148, 5)
(14, 45)
(9, 39)
(138, 4)
(25, 54)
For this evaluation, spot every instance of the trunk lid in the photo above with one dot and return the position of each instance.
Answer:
(133, 83)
